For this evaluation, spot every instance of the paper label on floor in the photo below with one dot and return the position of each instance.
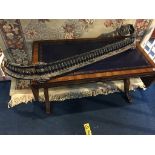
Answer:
(87, 129)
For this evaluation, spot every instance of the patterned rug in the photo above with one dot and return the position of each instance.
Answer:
(72, 91)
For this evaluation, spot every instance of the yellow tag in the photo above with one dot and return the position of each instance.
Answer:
(87, 129)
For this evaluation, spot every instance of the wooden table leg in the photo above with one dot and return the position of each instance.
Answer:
(126, 89)
(47, 103)
(35, 92)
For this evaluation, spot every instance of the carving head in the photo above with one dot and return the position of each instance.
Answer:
(123, 31)
(126, 30)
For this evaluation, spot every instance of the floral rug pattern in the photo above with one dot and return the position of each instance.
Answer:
(14, 40)
(141, 25)
(114, 23)
(17, 35)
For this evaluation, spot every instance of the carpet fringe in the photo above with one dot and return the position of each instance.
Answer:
(74, 92)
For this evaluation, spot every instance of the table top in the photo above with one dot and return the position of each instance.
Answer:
(132, 63)
(54, 50)
(135, 63)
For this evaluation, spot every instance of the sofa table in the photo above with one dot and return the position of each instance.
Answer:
(130, 64)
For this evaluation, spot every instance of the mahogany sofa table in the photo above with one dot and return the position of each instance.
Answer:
(130, 64)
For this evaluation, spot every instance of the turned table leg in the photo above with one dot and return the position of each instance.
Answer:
(126, 89)
(47, 102)
(35, 92)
